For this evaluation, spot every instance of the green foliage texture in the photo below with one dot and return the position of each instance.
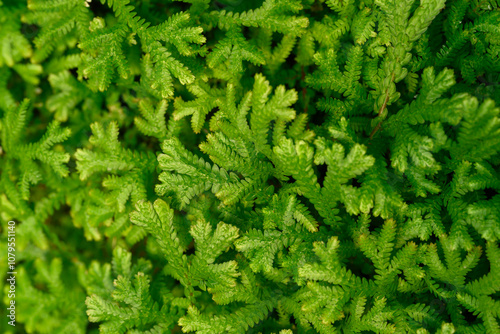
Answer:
(250, 166)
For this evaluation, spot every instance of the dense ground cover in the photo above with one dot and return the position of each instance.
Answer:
(230, 166)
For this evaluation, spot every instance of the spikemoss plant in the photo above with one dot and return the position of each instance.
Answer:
(230, 166)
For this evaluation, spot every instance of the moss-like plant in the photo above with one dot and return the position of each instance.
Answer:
(230, 166)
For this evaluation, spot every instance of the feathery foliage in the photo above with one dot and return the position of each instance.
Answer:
(275, 166)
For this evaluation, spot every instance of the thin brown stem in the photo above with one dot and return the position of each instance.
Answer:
(381, 110)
